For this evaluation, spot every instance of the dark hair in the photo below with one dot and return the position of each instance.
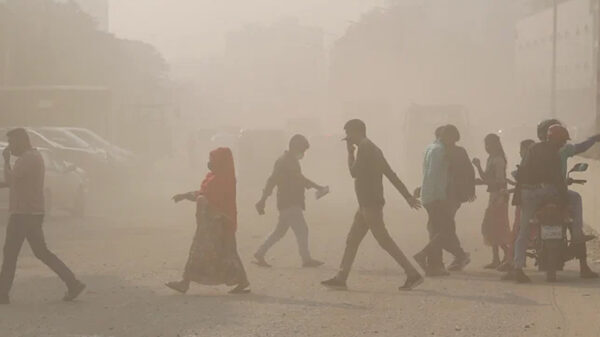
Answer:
(542, 128)
(356, 125)
(450, 134)
(299, 142)
(20, 136)
(438, 132)
(493, 141)
(527, 143)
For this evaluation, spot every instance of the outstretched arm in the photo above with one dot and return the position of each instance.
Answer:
(190, 196)
(586, 145)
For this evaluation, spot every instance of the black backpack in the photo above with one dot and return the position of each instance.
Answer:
(461, 176)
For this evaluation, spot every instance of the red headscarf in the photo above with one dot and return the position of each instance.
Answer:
(219, 185)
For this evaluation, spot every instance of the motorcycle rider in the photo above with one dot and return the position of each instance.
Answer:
(539, 178)
(578, 238)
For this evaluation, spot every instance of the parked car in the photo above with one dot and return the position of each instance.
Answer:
(115, 153)
(92, 161)
(65, 186)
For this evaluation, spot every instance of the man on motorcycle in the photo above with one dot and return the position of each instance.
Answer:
(539, 179)
(578, 238)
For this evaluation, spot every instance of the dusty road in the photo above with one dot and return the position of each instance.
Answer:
(127, 255)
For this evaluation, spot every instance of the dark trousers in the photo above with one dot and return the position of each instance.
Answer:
(442, 233)
(21, 227)
(371, 219)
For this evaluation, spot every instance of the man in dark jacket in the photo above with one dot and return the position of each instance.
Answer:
(291, 183)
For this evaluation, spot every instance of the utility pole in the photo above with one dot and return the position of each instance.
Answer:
(553, 75)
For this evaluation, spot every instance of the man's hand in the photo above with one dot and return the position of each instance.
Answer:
(417, 193)
(260, 207)
(414, 203)
(351, 147)
(179, 197)
(6, 155)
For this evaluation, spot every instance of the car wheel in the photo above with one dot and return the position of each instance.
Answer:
(79, 203)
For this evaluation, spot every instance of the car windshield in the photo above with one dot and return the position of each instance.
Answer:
(64, 138)
(90, 137)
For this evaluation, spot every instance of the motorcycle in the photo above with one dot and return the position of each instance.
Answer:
(550, 245)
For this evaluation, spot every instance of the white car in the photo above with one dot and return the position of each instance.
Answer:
(96, 142)
(93, 162)
(65, 185)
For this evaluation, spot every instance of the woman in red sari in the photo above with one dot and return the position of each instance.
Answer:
(213, 257)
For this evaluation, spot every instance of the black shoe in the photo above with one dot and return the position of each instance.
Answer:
(493, 265)
(583, 239)
(180, 287)
(520, 276)
(74, 291)
(437, 272)
(504, 267)
(334, 283)
(4, 300)
(460, 263)
(587, 273)
(412, 282)
(260, 261)
(312, 264)
(421, 259)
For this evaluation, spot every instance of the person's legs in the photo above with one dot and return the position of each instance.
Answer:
(576, 210)
(15, 235)
(451, 243)
(530, 202)
(435, 259)
(300, 228)
(278, 233)
(528, 208)
(355, 236)
(35, 237)
(374, 220)
(430, 257)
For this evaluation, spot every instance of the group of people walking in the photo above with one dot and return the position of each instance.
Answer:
(449, 181)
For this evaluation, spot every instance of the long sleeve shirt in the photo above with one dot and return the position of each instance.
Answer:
(435, 174)
(571, 150)
(26, 184)
(368, 170)
(290, 182)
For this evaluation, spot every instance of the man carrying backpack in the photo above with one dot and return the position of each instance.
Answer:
(448, 181)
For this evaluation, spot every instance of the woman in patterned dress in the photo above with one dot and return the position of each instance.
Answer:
(213, 257)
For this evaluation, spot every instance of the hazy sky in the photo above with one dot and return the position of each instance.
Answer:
(196, 28)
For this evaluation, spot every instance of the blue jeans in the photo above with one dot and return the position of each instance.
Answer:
(531, 201)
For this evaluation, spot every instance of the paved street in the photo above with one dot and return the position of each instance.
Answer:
(125, 258)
